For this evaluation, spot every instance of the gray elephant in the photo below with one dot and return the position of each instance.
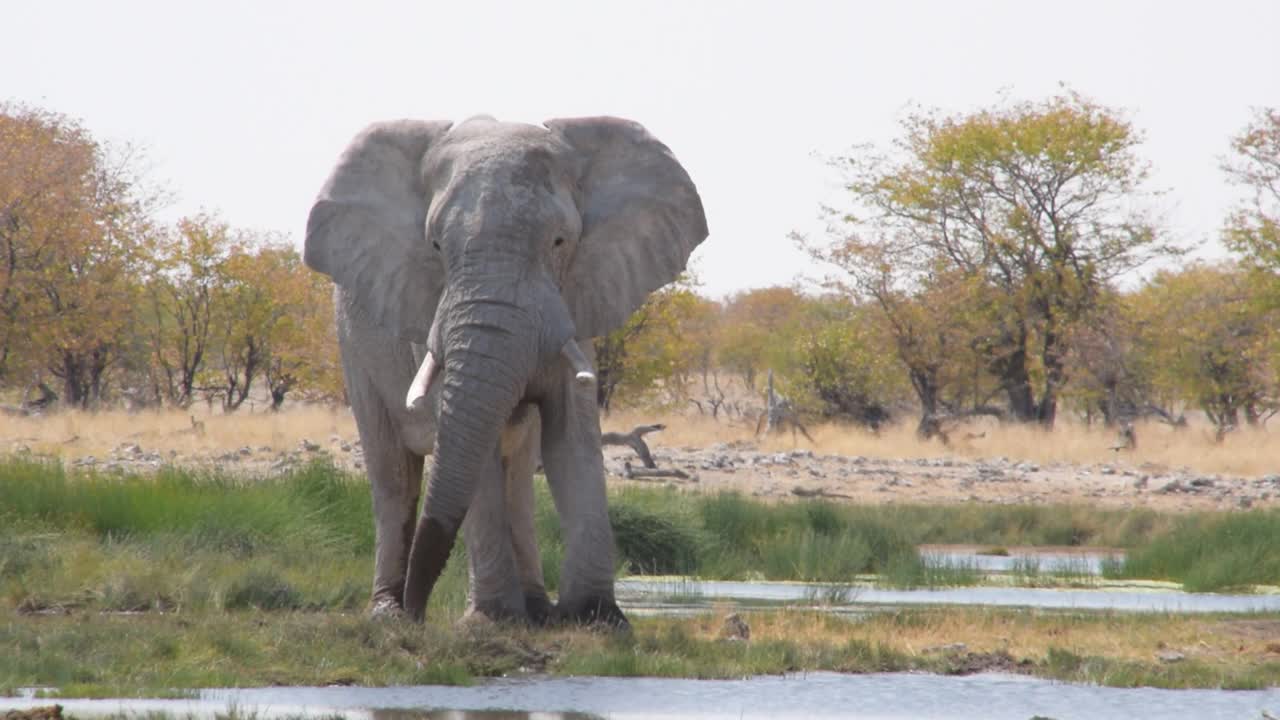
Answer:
(468, 262)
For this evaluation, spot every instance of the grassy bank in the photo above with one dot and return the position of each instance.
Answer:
(186, 539)
(126, 585)
(193, 539)
(97, 655)
(1210, 553)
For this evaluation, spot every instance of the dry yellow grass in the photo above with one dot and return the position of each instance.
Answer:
(82, 433)
(1244, 452)
(1021, 634)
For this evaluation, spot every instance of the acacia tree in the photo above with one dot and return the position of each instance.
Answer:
(1031, 205)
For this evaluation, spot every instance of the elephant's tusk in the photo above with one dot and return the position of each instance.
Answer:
(416, 399)
(585, 375)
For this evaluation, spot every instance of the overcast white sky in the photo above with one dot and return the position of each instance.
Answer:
(244, 106)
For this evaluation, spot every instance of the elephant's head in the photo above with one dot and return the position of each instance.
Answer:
(498, 245)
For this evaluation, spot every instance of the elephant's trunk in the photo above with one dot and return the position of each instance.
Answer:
(491, 350)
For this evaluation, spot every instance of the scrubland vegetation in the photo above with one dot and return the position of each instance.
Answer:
(985, 266)
(984, 272)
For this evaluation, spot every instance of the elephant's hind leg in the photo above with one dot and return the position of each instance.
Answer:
(495, 588)
(375, 368)
(395, 481)
(520, 459)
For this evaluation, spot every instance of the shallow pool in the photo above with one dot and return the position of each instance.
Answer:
(820, 695)
(641, 592)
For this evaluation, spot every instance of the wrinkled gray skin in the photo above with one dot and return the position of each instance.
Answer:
(488, 246)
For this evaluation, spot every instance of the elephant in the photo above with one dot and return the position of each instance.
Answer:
(471, 264)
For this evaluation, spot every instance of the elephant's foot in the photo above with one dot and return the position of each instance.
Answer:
(493, 613)
(385, 607)
(598, 611)
(539, 608)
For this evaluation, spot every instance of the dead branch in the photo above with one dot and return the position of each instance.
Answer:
(635, 441)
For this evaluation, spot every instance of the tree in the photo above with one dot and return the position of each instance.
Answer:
(841, 367)
(270, 310)
(1211, 341)
(1029, 207)
(1112, 376)
(73, 227)
(185, 276)
(1253, 228)
(654, 348)
(758, 331)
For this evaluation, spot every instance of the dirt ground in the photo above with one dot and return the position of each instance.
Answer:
(992, 465)
(947, 480)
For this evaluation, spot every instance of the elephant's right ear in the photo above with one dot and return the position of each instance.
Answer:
(366, 229)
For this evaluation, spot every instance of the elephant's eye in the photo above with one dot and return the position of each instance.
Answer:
(559, 241)
(435, 244)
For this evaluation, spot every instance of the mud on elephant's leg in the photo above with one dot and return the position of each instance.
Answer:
(575, 471)
(495, 590)
(520, 459)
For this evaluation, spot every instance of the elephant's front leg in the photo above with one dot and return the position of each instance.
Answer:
(494, 581)
(574, 465)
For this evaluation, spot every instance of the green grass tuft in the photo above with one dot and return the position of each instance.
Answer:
(1209, 553)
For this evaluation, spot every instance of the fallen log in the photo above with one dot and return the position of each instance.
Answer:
(653, 473)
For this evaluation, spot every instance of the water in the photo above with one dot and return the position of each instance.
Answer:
(816, 695)
(641, 593)
(1048, 562)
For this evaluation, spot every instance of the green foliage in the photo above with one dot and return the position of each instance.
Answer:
(649, 543)
(759, 330)
(1024, 211)
(1253, 228)
(844, 369)
(1211, 553)
(912, 571)
(658, 347)
(1209, 336)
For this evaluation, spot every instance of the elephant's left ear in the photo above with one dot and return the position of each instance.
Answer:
(641, 218)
